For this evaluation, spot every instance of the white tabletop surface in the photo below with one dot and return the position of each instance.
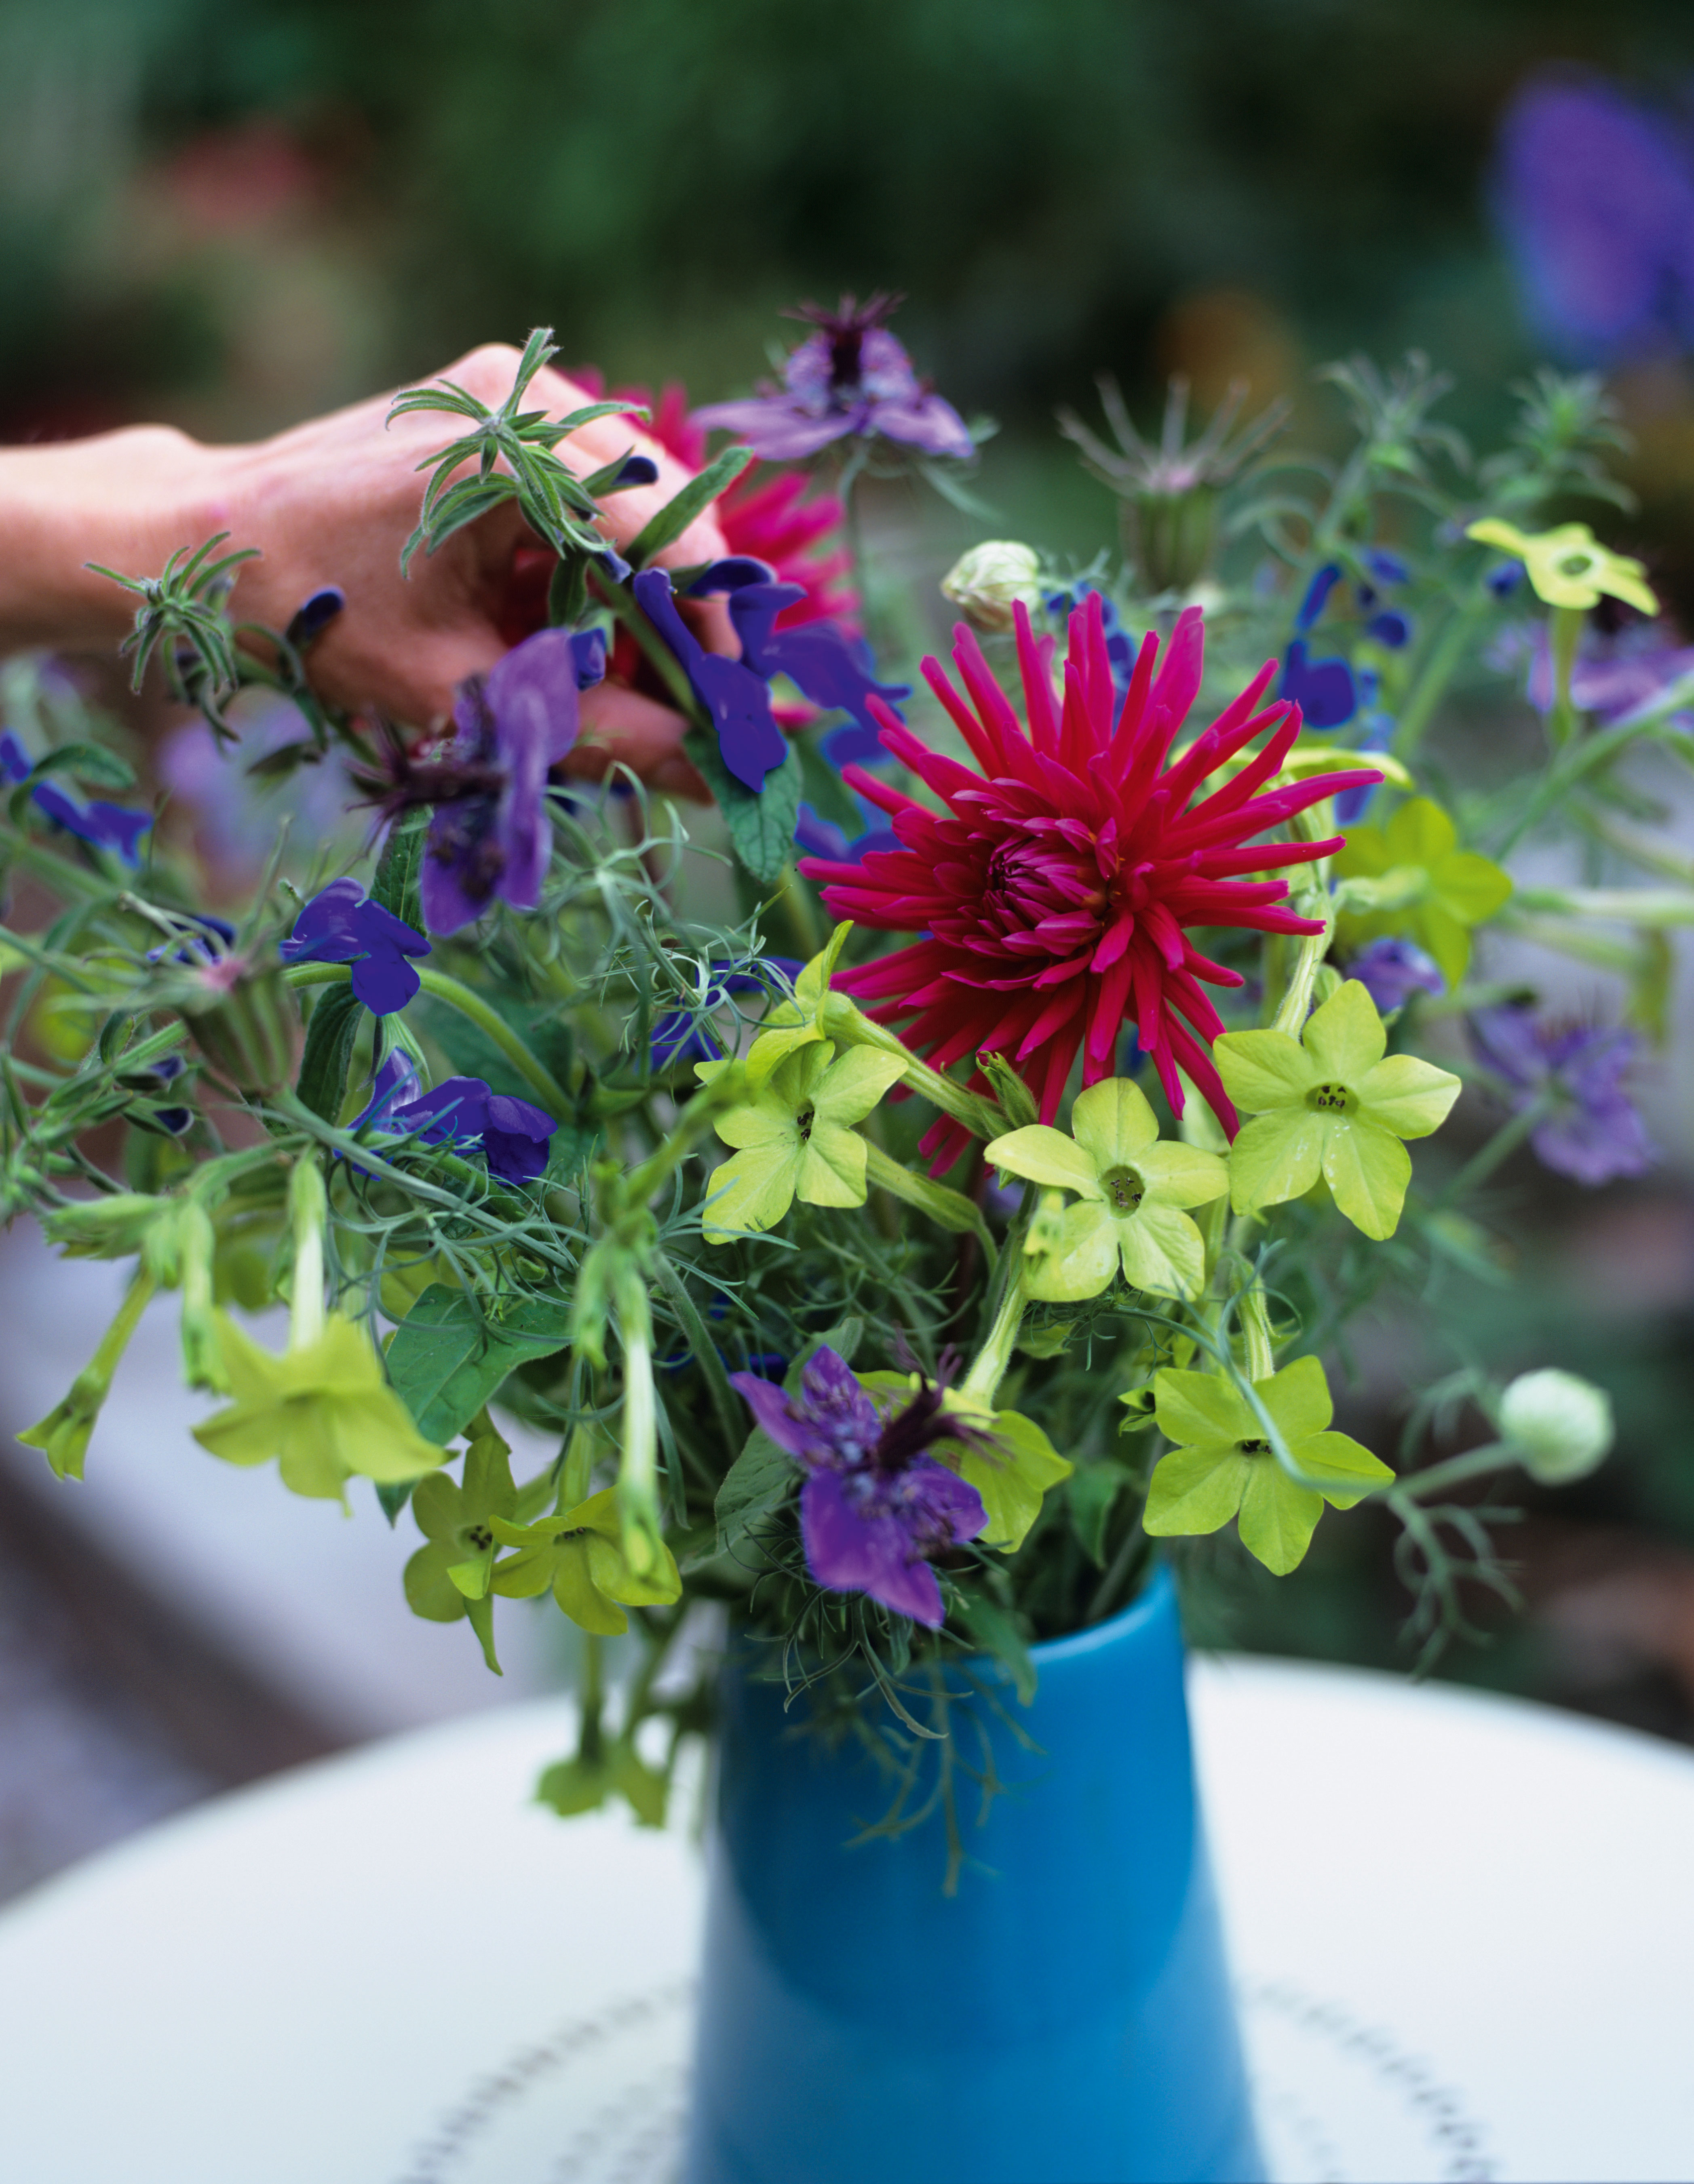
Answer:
(1464, 1931)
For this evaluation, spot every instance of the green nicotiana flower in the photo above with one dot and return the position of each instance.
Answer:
(1427, 887)
(1011, 1477)
(1129, 1193)
(1568, 566)
(1329, 1104)
(578, 1555)
(451, 1577)
(1223, 1466)
(793, 1139)
(798, 1024)
(322, 1407)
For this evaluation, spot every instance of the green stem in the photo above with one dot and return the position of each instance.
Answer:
(551, 1093)
(1505, 1142)
(982, 1383)
(590, 1744)
(1296, 1000)
(948, 1209)
(1254, 1314)
(731, 1423)
(1438, 669)
(801, 912)
(1474, 1463)
(1566, 632)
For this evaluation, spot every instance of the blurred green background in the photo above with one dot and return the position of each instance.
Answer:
(231, 216)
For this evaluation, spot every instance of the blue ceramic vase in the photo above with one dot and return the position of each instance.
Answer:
(1065, 2016)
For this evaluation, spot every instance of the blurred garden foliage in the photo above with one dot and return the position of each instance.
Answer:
(232, 214)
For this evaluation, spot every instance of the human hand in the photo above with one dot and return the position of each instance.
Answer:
(333, 501)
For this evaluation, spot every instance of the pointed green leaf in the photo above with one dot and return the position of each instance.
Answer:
(761, 824)
(677, 514)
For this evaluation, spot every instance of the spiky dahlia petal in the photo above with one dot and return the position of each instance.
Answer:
(1055, 890)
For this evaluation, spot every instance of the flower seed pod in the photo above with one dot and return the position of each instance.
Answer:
(986, 583)
(245, 1023)
(1560, 1425)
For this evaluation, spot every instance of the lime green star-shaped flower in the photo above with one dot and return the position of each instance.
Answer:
(1423, 885)
(579, 1558)
(449, 1578)
(1129, 1193)
(800, 1022)
(1329, 1104)
(1223, 1466)
(323, 1408)
(1568, 566)
(793, 1139)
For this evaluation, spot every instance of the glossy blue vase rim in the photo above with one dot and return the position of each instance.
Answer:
(1155, 1598)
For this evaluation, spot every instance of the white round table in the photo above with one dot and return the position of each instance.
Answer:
(1464, 1931)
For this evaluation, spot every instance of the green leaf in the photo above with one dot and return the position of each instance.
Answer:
(757, 1484)
(396, 884)
(677, 514)
(567, 592)
(1093, 1491)
(761, 826)
(447, 1357)
(1199, 1489)
(1011, 1478)
(90, 762)
(575, 1786)
(328, 1052)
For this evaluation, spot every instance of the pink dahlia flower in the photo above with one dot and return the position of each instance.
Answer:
(1056, 892)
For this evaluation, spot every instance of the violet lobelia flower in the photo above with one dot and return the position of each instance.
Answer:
(1575, 1072)
(491, 835)
(341, 924)
(851, 376)
(515, 1136)
(875, 1507)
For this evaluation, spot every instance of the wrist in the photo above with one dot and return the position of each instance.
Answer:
(126, 500)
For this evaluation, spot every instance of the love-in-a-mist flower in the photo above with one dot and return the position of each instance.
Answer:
(491, 837)
(579, 1557)
(851, 377)
(795, 1139)
(1223, 1465)
(1568, 566)
(1330, 1104)
(1129, 1193)
(341, 924)
(1056, 888)
(1575, 1075)
(1425, 887)
(875, 1507)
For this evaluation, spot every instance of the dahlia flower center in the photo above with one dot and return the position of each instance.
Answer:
(1330, 1100)
(1124, 1189)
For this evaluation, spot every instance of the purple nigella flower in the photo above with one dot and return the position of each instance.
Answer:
(1591, 1130)
(1595, 197)
(1618, 677)
(1392, 970)
(850, 376)
(491, 834)
(680, 1034)
(341, 925)
(103, 826)
(514, 1136)
(874, 1507)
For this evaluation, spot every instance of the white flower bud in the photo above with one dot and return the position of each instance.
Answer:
(1560, 1425)
(988, 581)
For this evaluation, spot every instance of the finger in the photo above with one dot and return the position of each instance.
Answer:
(620, 726)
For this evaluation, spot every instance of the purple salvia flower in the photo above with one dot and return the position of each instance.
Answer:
(1592, 1131)
(102, 826)
(1392, 970)
(874, 1507)
(850, 376)
(491, 835)
(515, 1135)
(678, 1037)
(833, 669)
(738, 700)
(341, 925)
